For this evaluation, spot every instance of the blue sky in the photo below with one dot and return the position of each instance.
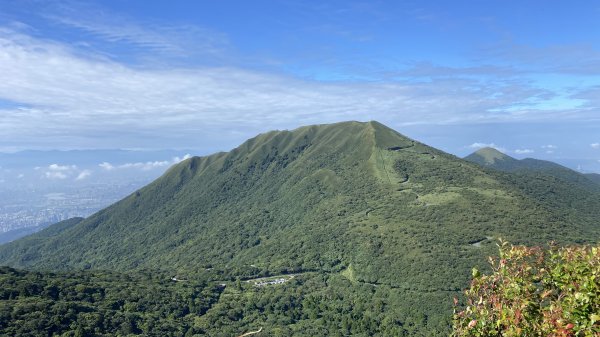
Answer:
(205, 75)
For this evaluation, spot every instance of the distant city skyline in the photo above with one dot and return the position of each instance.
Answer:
(523, 77)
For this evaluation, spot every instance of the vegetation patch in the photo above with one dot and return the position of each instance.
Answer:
(534, 292)
(439, 198)
(349, 274)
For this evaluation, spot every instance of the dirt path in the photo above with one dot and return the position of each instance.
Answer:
(384, 168)
(250, 333)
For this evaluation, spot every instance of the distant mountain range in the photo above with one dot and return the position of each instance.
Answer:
(379, 231)
(492, 158)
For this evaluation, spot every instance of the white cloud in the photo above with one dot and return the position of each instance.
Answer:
(595, 145)
(145, 166)
(478, 145)
(20, 176)
(58, 171)
(64, 96)
(186, 156)
(107, 166)
(55, 175)
(83, 174)
(57, 167)
(550, 149)
(524, 151)
(182, 40)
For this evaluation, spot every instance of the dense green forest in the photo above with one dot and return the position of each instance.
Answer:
(379, 230)
(99, 303)
(153, 304)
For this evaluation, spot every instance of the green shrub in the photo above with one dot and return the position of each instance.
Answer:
(534, 292)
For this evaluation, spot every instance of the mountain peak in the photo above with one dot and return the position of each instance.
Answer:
(352, 204)
(492, 158)
(489, 156)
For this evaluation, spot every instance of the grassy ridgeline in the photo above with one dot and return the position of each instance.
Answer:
(382, 229)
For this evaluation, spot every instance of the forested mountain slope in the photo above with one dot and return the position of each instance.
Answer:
(595, 177)
(492, 158)
(358, 211)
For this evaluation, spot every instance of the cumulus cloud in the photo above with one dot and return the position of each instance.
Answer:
(595, 145)
(106, 166)
(478, 145)
(145, 166)
(57, 167)
(83, 174)
(524, 151)
(186, 156)
(58, 171)
(549, 148)
(55, 175)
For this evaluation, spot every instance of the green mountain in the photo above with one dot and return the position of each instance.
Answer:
(492, 158)
(379, 231)
(488, 156)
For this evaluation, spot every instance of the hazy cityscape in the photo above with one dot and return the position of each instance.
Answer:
(58, 185)
(31, 207)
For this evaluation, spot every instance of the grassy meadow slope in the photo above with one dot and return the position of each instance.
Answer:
(361, 213)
